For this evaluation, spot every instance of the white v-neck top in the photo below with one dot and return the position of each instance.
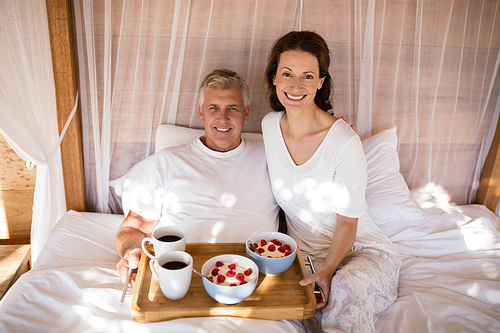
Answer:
(331, 182)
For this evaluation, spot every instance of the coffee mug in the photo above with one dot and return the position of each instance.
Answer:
(173, 270)
(165, 239)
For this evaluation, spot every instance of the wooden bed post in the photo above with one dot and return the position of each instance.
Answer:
(63, 61)
(488, 191)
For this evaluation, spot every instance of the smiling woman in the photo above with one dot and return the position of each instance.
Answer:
(297, 79)
(306, 146)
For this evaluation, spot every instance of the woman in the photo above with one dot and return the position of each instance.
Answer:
(318, 173)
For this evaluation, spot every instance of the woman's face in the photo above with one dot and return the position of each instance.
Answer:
(297, 80)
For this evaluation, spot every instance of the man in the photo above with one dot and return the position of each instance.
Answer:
(217, 171)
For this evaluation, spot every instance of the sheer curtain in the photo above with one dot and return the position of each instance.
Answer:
(429, 67)
(28, 114)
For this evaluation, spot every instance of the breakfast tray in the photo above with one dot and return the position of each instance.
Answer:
(274, 297)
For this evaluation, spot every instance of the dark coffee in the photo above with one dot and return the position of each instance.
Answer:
(169, 238)
(174, 265)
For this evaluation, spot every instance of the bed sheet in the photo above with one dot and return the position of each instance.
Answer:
(74, 288)
(450, 277)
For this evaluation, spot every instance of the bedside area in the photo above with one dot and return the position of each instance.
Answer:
(17, 185)
(14, 261)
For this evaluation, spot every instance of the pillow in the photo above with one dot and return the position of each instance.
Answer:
(172, 136)
(387, 194)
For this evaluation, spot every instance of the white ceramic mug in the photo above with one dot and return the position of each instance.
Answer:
(174, 280)
(161, 246)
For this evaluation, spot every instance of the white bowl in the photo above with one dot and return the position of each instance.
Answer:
(272, 266)
(230, 294)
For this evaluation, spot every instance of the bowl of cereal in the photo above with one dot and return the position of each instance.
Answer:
(230, 278)
(276, 251)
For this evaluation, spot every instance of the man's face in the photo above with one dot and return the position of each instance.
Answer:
(223, 113)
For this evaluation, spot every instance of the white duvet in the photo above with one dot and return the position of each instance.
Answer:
(74, 287)
(450, 279)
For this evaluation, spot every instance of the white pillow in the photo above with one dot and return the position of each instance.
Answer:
(172, 136)
(387, 194)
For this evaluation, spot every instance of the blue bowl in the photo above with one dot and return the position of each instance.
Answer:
(230, 294)
(272, 266)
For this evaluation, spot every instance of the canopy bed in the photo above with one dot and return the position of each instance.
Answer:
(419, 79)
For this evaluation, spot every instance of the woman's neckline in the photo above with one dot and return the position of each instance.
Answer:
(289, 156)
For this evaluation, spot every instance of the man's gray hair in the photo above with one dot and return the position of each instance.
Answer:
(223, 79)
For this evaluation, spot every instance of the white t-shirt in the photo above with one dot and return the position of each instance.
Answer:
(331, 182)
(188, 180)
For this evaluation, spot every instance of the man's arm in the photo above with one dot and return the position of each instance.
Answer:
(128, 243)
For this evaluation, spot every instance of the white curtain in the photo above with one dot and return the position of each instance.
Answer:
(28, 114)
(429, 67)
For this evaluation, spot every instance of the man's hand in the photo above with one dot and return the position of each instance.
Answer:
(131, 260)
(352, 126)
(128, 244)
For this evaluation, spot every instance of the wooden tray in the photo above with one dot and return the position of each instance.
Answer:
(275, 297)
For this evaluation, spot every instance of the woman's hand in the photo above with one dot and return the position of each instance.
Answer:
(342, 241)
(323, 279)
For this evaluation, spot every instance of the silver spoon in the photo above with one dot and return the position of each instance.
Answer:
(252, 246)
(199, 274)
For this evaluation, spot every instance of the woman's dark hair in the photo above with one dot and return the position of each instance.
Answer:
(306, 41)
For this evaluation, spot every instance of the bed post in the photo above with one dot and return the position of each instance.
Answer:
(63, 61)
(488, 191)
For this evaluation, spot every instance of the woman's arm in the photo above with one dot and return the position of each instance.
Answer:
(342, 242)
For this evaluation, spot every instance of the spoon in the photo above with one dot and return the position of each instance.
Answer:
(199, 274)
(252, 246)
